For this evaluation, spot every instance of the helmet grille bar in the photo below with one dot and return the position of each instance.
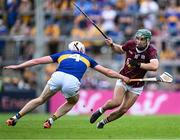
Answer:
(76, 46)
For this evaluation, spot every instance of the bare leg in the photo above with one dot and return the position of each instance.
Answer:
(67, 106)
(62, 110)
(110, 104)
(128, 101)
(31, 105)
(116, 100)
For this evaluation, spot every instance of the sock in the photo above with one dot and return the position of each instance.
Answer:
(17, 116)
(105, 121)
(52, 119)
(101, 110)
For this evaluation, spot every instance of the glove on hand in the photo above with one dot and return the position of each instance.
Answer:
(134, 63)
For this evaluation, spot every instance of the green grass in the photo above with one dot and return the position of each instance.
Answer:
(78, 127)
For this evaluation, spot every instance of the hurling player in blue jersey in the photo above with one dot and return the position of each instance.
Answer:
(72, 66)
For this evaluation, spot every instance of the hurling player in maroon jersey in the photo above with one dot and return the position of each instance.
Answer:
(141, 57)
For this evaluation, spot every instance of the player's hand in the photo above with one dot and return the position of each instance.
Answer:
(11, 67)
(134, 63)
(125, 79)
(109, 41)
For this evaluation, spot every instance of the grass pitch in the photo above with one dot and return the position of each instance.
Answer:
(78, 127)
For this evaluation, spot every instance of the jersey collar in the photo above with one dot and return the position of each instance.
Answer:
(140, 51)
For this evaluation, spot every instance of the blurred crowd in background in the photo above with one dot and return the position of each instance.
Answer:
(119, 19)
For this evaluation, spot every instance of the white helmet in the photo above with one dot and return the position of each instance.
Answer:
(76, 46)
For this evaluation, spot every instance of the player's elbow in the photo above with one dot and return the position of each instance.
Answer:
(154, 68)
(154, 65)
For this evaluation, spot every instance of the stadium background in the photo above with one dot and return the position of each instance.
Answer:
(33, 28)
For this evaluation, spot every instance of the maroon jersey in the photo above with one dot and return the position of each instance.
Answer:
(144, 57)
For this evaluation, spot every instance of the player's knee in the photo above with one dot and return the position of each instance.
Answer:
(73, 100)
(114, 103)
(41, 100)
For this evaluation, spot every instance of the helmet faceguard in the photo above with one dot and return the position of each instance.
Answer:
(143, 37)
(76, 46)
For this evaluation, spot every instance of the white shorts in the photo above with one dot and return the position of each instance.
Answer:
(137, 90)
(68, 84)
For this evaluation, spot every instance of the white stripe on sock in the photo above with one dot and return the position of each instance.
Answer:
(101, 110)
(51, 120)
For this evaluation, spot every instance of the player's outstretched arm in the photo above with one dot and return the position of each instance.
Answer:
(111, 73)
(29, 63)
(115, 47)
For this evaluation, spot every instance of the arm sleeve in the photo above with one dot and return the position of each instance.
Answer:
(127, 45)
(153, 54)
(93, 63)
(55, 56)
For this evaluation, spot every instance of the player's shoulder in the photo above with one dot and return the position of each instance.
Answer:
(89, 58)
(86, 56)
(152, 47)
(131, 42)
(76, 52)
(66, 52)
(129, 45)
(61, 52)
(151, 51)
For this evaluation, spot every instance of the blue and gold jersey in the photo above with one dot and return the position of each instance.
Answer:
(74, 63)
